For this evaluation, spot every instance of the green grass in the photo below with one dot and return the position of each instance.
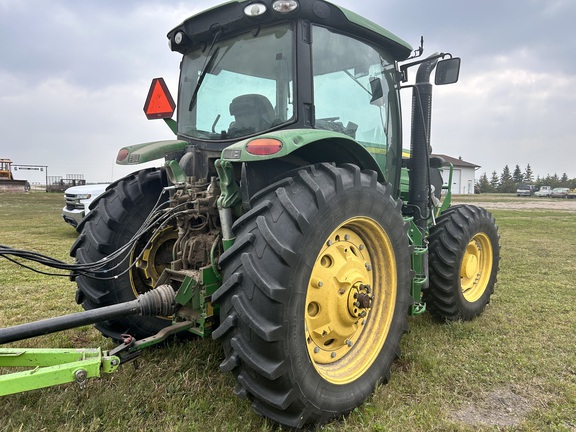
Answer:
(513, 368)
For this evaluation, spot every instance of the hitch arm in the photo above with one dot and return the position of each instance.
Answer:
(48, 367)
(52, 367)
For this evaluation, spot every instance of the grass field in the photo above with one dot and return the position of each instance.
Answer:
(513, 368)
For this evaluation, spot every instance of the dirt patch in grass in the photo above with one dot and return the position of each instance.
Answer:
(503, 407)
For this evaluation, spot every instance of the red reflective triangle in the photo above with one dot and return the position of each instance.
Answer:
(159, 102)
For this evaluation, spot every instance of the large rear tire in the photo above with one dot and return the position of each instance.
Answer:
(315, 294)
(464, 256)
(116, 217)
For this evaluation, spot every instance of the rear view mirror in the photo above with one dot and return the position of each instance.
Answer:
(447, 71)
(377, 92)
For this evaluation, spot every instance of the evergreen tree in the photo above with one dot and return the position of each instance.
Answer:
(539, 181)
(564, 180)
(484, 185)
(507, 184)
(505, 176)
(494, 181)
(518, 177)
(528, 175)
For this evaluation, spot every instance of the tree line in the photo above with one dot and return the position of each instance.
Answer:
(508, 181)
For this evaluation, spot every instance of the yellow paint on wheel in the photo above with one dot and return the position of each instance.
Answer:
(476, 267)
(151, 262)
(350, 300)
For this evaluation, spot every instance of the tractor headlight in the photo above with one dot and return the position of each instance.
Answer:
(179, 41)
(255, 9)
(285, 6)
(178, 38)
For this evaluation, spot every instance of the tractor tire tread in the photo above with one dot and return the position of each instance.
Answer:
(114, 218)
(447, 242)
(253, 336)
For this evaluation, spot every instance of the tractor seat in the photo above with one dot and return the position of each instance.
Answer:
(252, 113)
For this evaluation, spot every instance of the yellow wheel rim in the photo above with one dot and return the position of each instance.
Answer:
(154, 259)
(476, 267)
(350, 300)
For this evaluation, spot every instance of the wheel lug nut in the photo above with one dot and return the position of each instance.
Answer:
(317, 283)
(333, 355)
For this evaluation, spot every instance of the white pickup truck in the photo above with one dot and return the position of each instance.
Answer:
(78, 199)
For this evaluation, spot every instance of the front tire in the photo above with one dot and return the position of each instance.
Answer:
(315, 294)
(464, 256)
(117, 215)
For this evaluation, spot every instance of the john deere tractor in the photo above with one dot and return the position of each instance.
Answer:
(289, 222)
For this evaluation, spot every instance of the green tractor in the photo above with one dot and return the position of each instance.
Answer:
(288, 222)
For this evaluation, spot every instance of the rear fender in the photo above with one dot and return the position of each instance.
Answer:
(307, 146)
(147, 152)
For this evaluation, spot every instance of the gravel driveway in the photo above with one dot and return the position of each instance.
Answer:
(524, 204)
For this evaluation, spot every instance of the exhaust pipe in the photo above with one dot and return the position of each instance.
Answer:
(419, 167)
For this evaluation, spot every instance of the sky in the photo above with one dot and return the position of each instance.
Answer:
(74, 76)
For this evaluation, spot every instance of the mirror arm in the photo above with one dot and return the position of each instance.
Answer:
(405, 66)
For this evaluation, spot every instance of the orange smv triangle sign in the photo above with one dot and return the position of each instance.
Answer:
(159, 102)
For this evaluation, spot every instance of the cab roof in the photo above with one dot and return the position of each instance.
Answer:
(229, 18)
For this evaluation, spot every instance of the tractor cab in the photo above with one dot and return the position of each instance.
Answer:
(5, 169)
(246, 85)
(271, 66)
(316, 81)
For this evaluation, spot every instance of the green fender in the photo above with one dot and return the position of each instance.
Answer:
(311, 145)
(146, 152)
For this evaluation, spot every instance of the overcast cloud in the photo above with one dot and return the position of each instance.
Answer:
(74, 76)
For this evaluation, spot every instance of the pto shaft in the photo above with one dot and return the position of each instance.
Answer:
(159, 301)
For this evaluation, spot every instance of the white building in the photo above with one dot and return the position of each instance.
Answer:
(463, 177)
